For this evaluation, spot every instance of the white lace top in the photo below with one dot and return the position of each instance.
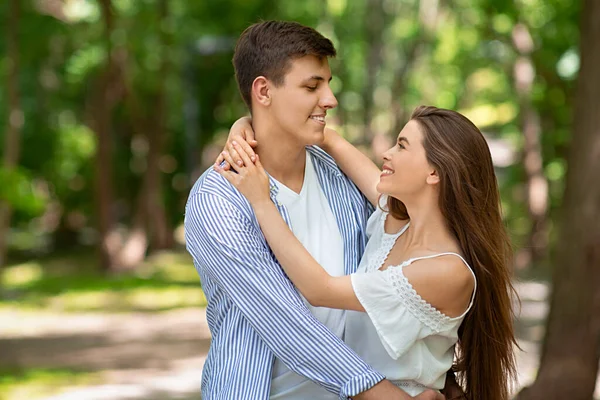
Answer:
(400, 335)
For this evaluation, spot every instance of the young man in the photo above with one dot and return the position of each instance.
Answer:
(266, 342)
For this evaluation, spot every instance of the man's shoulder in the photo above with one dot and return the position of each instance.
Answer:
(212, 190)
(211, 182)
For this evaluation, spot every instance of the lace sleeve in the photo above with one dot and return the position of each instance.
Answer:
(400, 315)
(415, 304)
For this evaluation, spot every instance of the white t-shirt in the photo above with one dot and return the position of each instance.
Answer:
(314, 224)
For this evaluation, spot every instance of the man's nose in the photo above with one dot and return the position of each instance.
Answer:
(328, 99)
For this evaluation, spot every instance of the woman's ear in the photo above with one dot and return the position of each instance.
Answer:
(260, 91)
(433, 178)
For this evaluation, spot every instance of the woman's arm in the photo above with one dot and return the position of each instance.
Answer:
(315, 284)
(363, 172)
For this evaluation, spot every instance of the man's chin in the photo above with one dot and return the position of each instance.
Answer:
(319, 140)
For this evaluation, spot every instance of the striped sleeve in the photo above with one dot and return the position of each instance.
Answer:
(232, 251)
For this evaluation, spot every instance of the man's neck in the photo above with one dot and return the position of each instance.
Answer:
(281, 156)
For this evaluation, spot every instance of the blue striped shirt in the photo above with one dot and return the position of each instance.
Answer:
(254, 312)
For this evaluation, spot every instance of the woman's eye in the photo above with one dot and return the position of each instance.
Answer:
(401, 145)
(311, 88)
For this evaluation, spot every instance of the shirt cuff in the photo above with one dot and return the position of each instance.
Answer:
(360, 383)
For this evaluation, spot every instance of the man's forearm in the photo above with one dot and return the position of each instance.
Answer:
(383, 390)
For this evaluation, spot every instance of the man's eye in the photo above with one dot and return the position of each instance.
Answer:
(401, 145)
(311, 88)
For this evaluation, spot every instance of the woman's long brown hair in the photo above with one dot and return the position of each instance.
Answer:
(470, 202)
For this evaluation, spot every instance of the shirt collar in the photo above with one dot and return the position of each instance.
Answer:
(323, 159)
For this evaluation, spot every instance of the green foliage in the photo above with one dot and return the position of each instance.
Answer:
(459, 56)
(18, 190)
(31, 384)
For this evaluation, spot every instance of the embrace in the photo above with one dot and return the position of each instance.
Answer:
(327, 278)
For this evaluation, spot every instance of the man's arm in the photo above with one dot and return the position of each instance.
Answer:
(452, 390)
(234, 254)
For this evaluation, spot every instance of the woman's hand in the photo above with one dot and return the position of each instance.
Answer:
(241, 131)
(249, 178)
(329, 138)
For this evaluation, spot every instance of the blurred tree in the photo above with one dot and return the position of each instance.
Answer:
(376, 22)
(150, 224)
(570, 356)
(11, 151)
(524, 75)
(103, 96)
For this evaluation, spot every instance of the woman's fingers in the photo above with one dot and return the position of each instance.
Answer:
(243, 154)
(229, 175)
(234, 154)
(248, 144)
(220, 160)
(259, 165)
(232, 163)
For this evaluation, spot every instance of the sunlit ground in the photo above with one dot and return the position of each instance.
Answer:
(74, 284)
(68, 333)
(39, 293)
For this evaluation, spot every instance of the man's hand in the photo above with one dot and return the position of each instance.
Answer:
(452, 389)
(387, 390)
(241, 131)
(430, 395)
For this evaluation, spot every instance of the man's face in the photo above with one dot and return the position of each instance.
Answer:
(300, 104)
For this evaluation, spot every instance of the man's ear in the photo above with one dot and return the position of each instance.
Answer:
(260, 91)
(433, 178)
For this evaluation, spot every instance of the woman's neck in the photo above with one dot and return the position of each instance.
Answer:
(428, 227)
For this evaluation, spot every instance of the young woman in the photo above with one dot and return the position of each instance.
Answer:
(436, 270)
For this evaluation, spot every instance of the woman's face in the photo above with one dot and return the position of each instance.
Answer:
(406, 172)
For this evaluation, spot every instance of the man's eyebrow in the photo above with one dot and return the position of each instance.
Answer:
(318, 78)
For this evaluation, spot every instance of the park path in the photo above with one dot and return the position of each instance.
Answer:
(159, 356)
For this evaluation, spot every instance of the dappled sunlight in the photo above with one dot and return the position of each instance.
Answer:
(153, 300)
(164, 281)
(32, 384)
(22, 274)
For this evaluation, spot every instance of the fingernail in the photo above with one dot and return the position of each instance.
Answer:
(234, 142)
(252, 158)
(240, 163)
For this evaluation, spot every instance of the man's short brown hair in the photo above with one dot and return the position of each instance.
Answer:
(266, 49)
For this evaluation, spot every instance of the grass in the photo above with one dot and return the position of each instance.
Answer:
(73, 283)
(34, 384)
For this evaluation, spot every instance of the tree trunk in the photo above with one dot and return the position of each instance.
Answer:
(99, 114)
(162, 235)
(570, 355)
(150, 225)
(15, 118)
(537, 185)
